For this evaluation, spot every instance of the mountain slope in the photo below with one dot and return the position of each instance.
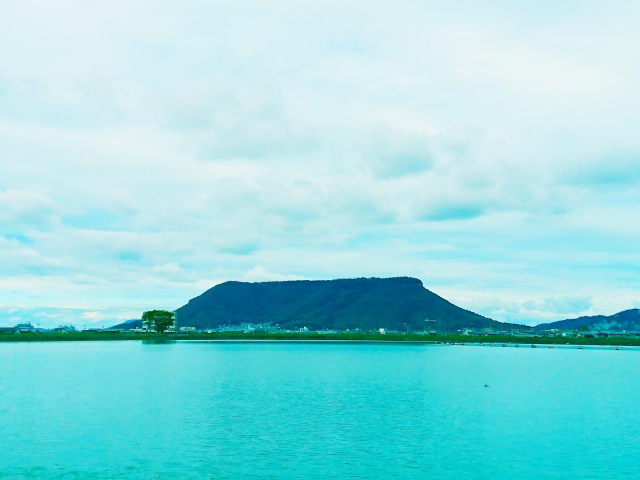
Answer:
(128, 325)
(365, 303)
(628, 320)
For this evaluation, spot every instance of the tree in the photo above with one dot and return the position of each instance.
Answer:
(158, 320)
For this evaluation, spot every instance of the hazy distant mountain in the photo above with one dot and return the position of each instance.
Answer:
(128, 325)
(365, 303)
(628, 320)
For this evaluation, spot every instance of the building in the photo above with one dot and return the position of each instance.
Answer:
(523, 333)
(64, 329)
(25, 328)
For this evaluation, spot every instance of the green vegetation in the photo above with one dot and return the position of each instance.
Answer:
(415, 338)
(158, 320)
(356, 337)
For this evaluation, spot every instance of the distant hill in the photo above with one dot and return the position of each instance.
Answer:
(128, 325)
(628, 320)
(365, 303)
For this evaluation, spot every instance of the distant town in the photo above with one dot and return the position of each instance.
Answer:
(135, 327)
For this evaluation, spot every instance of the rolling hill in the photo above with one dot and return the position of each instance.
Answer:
(364, 303)
(128, 325)
(628, 320)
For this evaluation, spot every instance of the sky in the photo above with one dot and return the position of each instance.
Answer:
(150, 150)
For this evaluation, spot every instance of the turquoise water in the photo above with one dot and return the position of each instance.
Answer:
(211, 410)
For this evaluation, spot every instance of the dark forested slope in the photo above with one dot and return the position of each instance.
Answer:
(365, 303)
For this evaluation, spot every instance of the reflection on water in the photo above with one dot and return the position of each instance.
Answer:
(158, 341)
(211, 410)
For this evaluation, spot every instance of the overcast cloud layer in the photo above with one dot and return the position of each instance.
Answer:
(149, 150)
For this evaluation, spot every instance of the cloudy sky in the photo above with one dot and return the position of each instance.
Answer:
(151, 149)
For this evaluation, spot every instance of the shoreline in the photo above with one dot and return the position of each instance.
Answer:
(321, 338)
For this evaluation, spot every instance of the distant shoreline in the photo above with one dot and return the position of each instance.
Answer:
(319, 338)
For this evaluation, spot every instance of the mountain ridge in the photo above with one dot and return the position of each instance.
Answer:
(628, 320)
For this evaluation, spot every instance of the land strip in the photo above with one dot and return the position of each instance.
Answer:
(355, 337)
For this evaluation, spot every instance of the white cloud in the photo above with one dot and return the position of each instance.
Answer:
(259, 274)
(20, 208)
(149, 152)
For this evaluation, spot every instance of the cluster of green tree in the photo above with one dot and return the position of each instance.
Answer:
(361, 303)
(158, 320)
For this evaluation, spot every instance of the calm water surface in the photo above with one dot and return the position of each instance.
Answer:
(211, 410)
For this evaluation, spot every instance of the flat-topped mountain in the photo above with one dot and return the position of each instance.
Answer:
(364, 303)
(628, 320)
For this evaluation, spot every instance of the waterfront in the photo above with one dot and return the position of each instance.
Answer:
(488, 340)
(291, 410)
